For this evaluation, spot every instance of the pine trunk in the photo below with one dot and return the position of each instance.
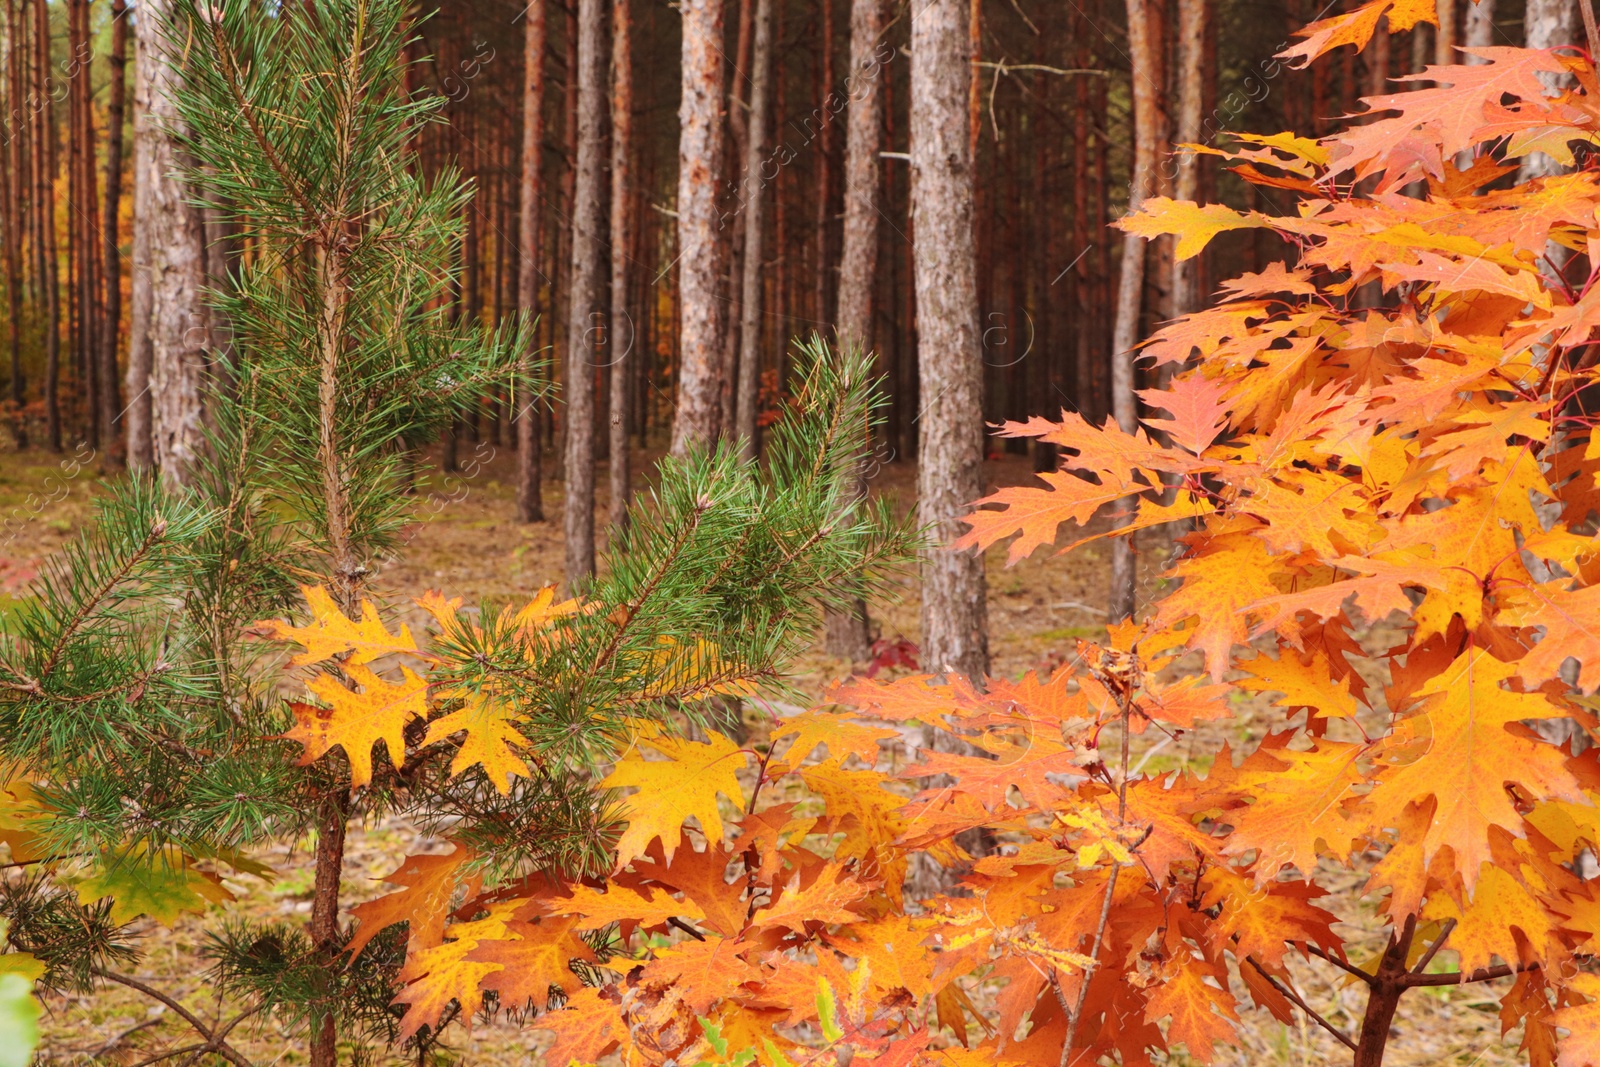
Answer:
(110, 401)
(172, 270)
(586, 309)
(753, 197)
(530, 507)
(44, 169)
(847, 633)
(950, 447)
(1130, 288)
(11, 213)
(623, 335)
(1193, 16)
(700, 344)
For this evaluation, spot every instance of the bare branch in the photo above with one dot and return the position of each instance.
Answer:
(1294, 997)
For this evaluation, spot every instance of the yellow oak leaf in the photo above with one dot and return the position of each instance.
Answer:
(331, 634)
(842, 734)
(356, 720)
(438, 976)
(683, 785)
(825, 900)
(1195, 225)
(489, 723)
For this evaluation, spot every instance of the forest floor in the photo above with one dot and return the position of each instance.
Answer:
(467, 544)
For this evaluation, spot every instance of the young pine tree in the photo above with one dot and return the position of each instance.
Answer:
(143, 728)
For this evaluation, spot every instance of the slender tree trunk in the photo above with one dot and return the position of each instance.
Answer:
(530, 507)
(15, 195)
(173, 270)
(1082, 266)
(136, 424)
(846, 632)
(699, 157)
(1130, 288)
(587, 296)
(1193, 15)
(623, 345)
(734, 220)
(950, 472)
(825, 164)
(1444, 37)
(754, 198)
(1479, 30)
(110, 401)
(44, 159)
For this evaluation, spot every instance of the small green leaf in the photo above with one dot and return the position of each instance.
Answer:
(19, 1020)
(827, 1011)
(162, 886)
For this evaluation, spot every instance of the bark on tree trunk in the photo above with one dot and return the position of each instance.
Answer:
(110, 399)
(1479, 30)
(14, 191)
(586, 311)
(44, 169)
(754, 204)
(173, 270)
(1130, 288)
(950, 450)
(623, 334)
(1192, 18)
(846, 633)
(530, 507)
(700, 344)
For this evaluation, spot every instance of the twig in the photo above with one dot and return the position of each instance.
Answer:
(1485, 974)
(1088, 972)
(1433, 949)
(1303, 1006)
(214, 1040)
(673, 920)
(1354, 971)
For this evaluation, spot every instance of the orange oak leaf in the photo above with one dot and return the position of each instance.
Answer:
(532, 959)
(826, 900)
(621, 904)
(430, 881)
(1297, 804)
(355, 720)
(683, 785)
(331, 634)
(1199, 412)
(1571, 622)
(1581, 1046)
(1201, 1016)
(439, 976)
(1035, 515)
(587, 1027)
(1356, 27)
(1462, 750)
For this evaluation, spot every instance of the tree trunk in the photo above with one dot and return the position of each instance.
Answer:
(950, 448)
(44, 170)
(754, 203)
(1444, 37)
(846, 633)
(1130, 288)
(1193, 16)
(825, 164)
(15, 193)
(700, 341)
(110, 401)
(1479, 30)
(530, 507)
(172, 273)
(586, 310)
(623, 334)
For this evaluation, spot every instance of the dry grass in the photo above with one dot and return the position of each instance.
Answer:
(468, 545)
